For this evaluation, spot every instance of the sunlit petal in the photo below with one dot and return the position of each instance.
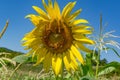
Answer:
(77, 54)
(67, 9)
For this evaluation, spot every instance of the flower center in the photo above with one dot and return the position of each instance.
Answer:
(57, 39)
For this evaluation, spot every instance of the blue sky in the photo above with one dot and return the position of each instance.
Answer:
(16, 10)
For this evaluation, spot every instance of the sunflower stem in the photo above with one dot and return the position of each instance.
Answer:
(62, 69)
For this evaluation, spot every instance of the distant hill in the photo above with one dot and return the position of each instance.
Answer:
(12, 53)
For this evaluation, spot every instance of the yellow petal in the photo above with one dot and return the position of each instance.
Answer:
(28, 41)
(82, 47)
(47, 61)
(37, 32)
(53, 62)
(73, 63)
(41, 12)
(44, 4)
(39, 60)
(33, 55)
(30, 53)
(85, 40)
(79, 36)
(33, 42)
(67, 9)
(50, 4)
(66, 59)
(79, 21)
(49, 8)
(40, 56)
(57, 63)
(80, 27)
(37, 50)
(82, 31)
(57, 9)
(36, 20)
(77, 54)
(74, 15)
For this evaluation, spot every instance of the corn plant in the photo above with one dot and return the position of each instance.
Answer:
(104, 42)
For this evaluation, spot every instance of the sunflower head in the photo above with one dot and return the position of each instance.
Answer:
(57, 36)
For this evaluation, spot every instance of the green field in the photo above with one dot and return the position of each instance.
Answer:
(24, 70)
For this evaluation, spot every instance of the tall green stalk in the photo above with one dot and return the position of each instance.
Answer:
(101, 28)
(99, 49)
(98, 62)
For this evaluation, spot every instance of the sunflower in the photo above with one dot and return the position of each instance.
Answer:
(57, 37)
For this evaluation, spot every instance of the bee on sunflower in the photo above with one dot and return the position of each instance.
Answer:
(57, 37)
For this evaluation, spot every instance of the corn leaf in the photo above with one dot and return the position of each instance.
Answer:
(110, 67)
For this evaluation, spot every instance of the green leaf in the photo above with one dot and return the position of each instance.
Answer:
(87, 78)
(89, 63)
(68, 75)
(21, 59)
(106, 71)
(113, 50)
(85, 69)
(109, 68)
